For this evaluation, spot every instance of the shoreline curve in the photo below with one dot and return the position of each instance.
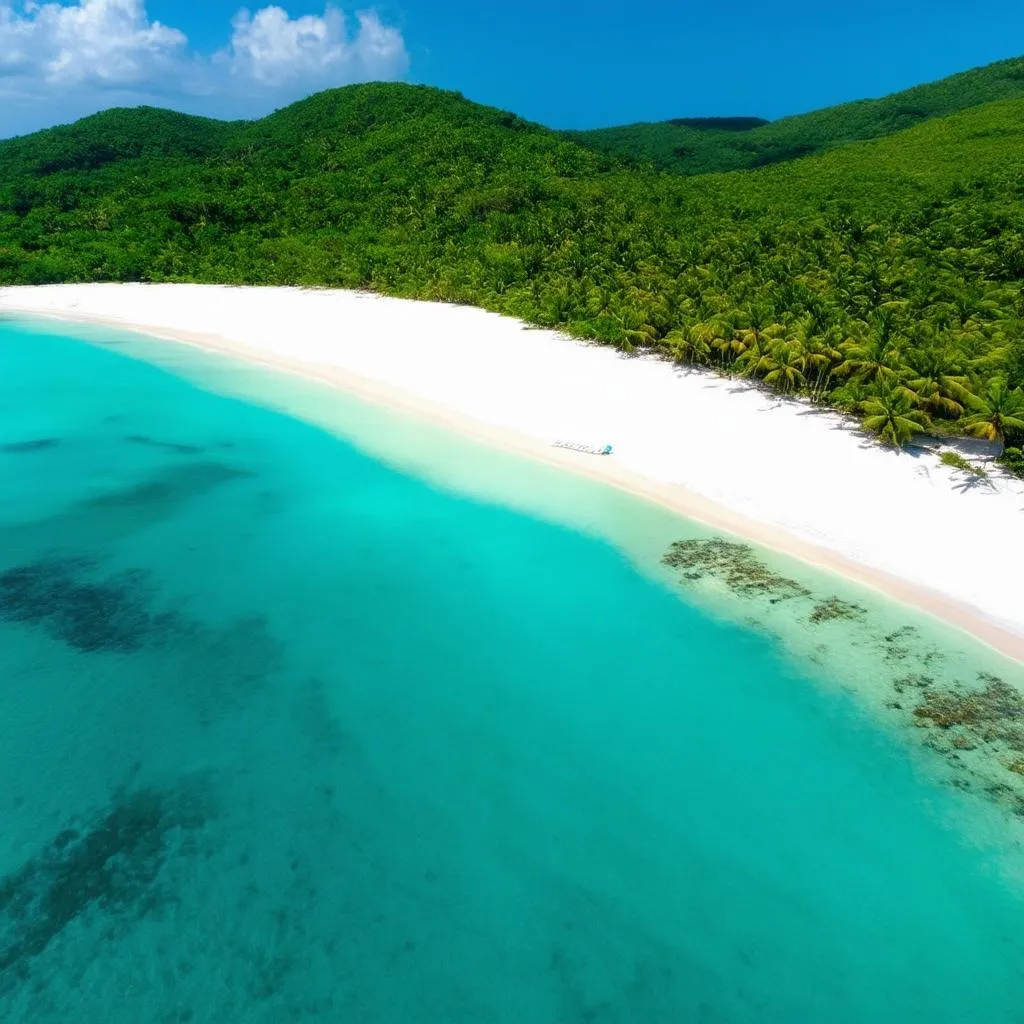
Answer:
(105, 305)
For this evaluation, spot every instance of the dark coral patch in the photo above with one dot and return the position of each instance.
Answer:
(87, 614)
(173, 488)
(734, 564)
(997, 709)
(214, 669)
(111, 863)
(23, 447)
(167, 446)
(834, 608)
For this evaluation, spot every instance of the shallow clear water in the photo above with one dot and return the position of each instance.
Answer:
(289, 734)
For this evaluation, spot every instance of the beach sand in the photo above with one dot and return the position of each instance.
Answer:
(778, 472)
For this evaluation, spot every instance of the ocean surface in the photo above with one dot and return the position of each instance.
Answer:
(300, 724)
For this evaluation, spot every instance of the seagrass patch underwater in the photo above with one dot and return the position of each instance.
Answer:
(288, 734)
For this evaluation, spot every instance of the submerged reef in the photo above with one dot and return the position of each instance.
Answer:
(899, 644)
(108, 863)
(834, 608)
(213, 668)
(979, 729)
(87, 614)
(107, 517)
(733, 563)
(173, 488)
(973, 720)
(24, 447)
(167, 446)
(997, 708)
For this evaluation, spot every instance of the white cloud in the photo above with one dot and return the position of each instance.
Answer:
(60, 60)
(273, 49)
(100, 41)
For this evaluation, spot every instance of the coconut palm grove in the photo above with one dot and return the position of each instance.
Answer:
(869, 257)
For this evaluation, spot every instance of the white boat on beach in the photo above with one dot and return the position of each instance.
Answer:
(588, 449)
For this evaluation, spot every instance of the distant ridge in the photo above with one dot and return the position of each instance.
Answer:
(725, 124)
(698, 146)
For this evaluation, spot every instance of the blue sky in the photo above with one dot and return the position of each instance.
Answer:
(567, 63)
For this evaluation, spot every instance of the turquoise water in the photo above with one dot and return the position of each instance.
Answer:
(287, 734)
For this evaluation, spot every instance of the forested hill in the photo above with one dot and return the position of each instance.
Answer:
(699, 145)
(884, 276)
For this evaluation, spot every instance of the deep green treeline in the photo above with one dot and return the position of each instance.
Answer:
(883, 276)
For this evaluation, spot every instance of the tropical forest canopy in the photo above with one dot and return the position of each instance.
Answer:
(882, 276)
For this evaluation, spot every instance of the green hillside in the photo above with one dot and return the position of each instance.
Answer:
(699, 145)
(110, 137)
(883, 276)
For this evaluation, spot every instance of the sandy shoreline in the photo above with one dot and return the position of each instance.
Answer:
(778, 473)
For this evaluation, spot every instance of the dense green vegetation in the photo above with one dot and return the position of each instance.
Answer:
(883, 277)
(702, 145)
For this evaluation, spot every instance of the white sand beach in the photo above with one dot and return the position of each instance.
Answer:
(778, 472)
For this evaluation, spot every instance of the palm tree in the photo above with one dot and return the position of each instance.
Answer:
(729, 345)
(718, 334)
(968, 306)
(824, 354)
(758, 341)
(760, 325)
(631, 330)
(996, 411)
(688, 345)
(891, 415)
(875, 360)
(751, 362)
(785, 366)
(936, 382)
